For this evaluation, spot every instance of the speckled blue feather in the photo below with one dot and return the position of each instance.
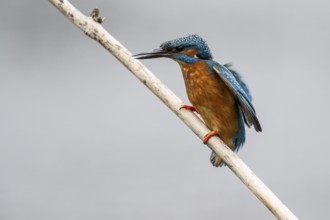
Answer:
(192, 41)
(239, 80)
(241, 92)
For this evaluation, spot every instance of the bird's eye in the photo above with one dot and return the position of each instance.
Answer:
(167, 49)
(179, 48)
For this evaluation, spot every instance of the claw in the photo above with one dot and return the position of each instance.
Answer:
(216, 160)
(209, 135)
(189, 107)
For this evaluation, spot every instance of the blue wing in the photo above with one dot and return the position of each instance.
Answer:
(239, 80)
(241, 92)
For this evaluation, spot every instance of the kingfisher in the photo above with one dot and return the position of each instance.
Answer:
(215, 91)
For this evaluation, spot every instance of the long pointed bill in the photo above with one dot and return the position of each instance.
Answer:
(154, 54)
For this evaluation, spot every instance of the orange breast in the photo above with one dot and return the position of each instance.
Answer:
(212, 99)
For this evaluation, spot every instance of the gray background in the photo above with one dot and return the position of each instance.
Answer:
(81, 138)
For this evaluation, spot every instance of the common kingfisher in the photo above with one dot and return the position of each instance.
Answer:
(216, 91)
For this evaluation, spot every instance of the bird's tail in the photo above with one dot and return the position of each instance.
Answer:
(216, 160)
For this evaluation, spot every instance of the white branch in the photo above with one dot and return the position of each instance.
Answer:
(94, 30)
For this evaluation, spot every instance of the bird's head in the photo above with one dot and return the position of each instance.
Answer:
(188, 49)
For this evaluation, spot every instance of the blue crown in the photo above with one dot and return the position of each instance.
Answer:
(191, 41)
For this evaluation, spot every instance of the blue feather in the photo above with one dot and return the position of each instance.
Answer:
(241, 93)
(239, 80)
(191, 41)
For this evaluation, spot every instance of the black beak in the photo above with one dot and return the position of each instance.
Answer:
(154, 54)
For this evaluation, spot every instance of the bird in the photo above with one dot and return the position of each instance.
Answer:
(217, 92)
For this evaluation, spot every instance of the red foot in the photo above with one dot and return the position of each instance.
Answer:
(209, 135)
(189, 107)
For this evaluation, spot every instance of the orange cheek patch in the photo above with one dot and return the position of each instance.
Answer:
(191, 52)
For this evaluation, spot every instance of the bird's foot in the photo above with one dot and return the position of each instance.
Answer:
(209, 135)
(216, 160)
(189, 107)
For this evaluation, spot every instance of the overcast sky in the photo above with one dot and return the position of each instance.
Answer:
(81, 138)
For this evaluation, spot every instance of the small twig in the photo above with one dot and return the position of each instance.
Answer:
(96, 31)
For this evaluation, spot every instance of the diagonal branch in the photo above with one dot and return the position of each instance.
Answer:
(92, 27)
